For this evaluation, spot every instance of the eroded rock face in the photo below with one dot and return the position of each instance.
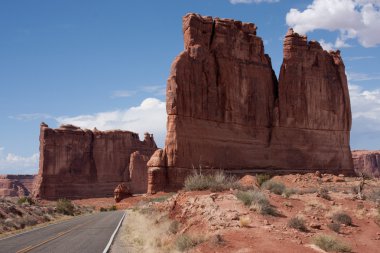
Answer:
(367, 162)
(16, 185)
(226, 109)
(77, 163)
(138, 171)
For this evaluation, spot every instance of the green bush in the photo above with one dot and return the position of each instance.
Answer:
(342, 218)
(261, 178)
(103, 209)
(113, 208)
(185, 242)
(274, 187)
(329, 244)
(297, 223)
(334, 227)
(215, 182)
(65, 207)
(27, 200)
(257, 200)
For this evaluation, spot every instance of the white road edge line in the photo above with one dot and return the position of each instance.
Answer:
(107, 248)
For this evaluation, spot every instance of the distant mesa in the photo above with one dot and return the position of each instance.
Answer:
(16, 185)
(77, 163)
(227, 110)
(367, 162)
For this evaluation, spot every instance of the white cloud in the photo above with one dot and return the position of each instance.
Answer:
(365, 106)
(358, 58)
(252, 1)
(358, 19)
(149, 116)
(122, 93)
(354, 76)
(31, 116)
(14, 164)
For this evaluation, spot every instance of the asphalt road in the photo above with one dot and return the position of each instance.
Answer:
(86, 234)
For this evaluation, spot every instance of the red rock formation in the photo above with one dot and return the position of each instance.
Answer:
(76, 163)
(226, 109)
(367, 162)
(16, 185)
(138, 172)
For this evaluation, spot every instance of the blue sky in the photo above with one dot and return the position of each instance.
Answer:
(105, 63)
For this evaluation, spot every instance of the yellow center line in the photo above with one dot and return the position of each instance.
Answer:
(29, 248)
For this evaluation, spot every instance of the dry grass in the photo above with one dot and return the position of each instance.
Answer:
(157, 238)
(297, 223)
(215, 182)
(244, 221)
(330, 244)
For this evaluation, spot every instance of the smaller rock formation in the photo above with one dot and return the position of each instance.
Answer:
(16, 185)
(80, 163)
(367, 162)
(138, 172)
(122, 191)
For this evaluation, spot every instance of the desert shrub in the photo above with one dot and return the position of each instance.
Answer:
(246, 197)
(28, 220)
(258, 202)
(103, 209)
(297, 223)
(173, 227)
(377, 217)
(334, 227)
(274, 187)
(217, 239)
(185, 242)
(289, 192)
(26, 200)
(244, 221)
(342, 218)
(161, 198)
(307, 191)
(65, 207)
(329, 244)
(215, 182)
(113, 208)
(374, 195)
(324, 193)
(261, 178)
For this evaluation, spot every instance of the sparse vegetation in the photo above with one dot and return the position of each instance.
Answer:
(324, 193)
(185, 242)
(257, 201)
(274, 187)
(330, 244)
(244, 221)
(377, 217)
(289, 192)
(173, 227)
(374, 196)
(25, 200)
(334, 227)
(261, 178)
(342, 218)
(65, 207)
(215, 182)
(297, 223)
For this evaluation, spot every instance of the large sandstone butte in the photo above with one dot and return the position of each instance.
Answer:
(77, 163)
(226, 109)
(367, 162)
(16, 185)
